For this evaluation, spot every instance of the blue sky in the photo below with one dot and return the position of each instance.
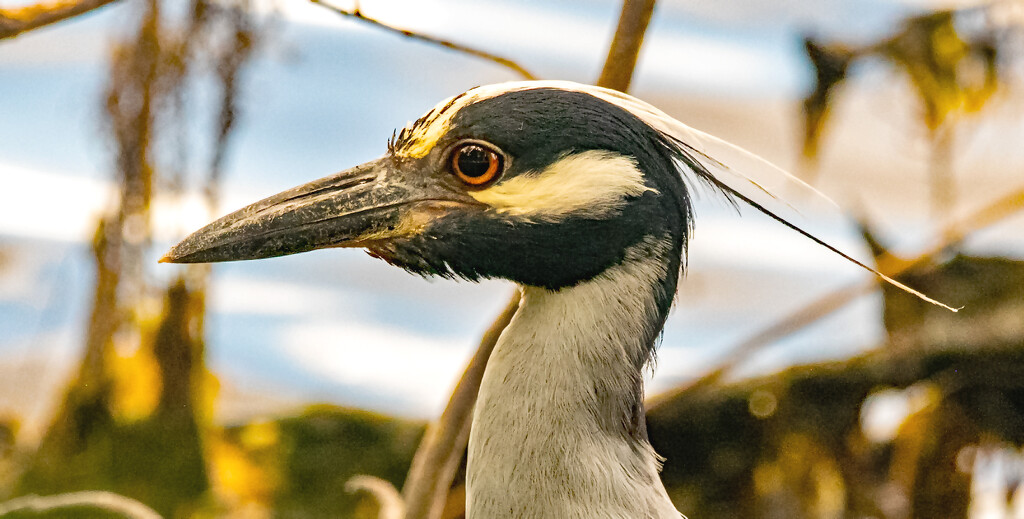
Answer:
(326, 94)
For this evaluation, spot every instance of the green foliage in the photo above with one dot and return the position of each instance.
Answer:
(806, 454)
(325, 446)
(76, 512)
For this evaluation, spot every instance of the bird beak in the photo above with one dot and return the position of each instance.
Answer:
(358, 207)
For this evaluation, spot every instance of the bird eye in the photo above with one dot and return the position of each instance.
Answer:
(476, 164)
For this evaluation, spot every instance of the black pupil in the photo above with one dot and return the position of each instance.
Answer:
(474, 161)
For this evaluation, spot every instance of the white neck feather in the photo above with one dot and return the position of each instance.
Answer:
(551, 433)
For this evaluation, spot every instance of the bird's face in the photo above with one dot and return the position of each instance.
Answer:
(543, 186)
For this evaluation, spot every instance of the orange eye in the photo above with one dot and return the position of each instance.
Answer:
(475, 164)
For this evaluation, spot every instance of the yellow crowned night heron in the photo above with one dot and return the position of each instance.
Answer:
(581, 196)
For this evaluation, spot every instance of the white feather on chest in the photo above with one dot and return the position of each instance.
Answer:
(539, 446)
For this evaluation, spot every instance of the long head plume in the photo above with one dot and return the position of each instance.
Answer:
(737, 173)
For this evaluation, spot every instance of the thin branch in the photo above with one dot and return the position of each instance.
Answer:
(625, 48)
(941, 171)
(389, 501)
(107, 501)
(819, 308)
(17, 20)
(440, 451)
(358, 15)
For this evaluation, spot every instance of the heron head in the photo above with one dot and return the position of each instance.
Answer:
(546, 184)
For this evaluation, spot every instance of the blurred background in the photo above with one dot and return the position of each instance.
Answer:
(787, 383)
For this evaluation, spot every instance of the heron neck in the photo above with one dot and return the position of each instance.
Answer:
(560, 404)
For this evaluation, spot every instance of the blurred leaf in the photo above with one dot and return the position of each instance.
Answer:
(136, 385)
(949, 73)
(831, 63)
(245, 466)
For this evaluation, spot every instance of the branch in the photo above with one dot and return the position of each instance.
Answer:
(17, 20)
(440, 452)
(108, 501)
(625, 47)
(358, 15)
(389, 501)
(826, 305)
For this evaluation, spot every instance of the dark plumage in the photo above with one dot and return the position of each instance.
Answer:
(536, 128)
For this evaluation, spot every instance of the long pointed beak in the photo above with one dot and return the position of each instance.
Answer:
(347, 209)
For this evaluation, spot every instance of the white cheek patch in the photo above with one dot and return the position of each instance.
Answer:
(591, 184)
